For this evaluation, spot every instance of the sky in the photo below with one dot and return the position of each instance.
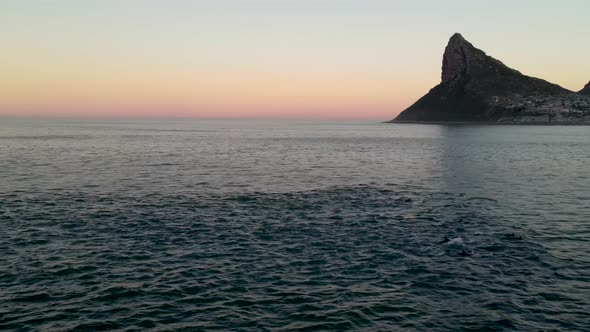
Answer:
(324, 59)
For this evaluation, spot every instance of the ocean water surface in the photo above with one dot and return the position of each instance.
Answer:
(293, 225)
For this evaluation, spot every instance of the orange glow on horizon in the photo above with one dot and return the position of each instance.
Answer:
(278, 59)
(240, 93)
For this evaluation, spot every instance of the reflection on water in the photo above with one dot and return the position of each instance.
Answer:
(268, 225)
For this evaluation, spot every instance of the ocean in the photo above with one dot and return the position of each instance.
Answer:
(260, 225)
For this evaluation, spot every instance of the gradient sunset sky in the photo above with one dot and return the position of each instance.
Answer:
(327, 59)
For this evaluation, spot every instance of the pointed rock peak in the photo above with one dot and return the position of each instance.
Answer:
(457, 40)
(455, 57)
(477, 87)
(456, 37)
(586, 89)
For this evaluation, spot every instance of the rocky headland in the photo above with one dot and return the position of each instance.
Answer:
(478, 88)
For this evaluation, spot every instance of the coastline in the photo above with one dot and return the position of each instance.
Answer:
(495, 123)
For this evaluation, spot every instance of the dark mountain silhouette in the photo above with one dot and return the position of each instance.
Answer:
(585, 90)
(478, 88)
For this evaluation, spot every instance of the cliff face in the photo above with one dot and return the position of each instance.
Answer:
(476, 87)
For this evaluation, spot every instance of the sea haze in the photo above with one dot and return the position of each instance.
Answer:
(287, 225)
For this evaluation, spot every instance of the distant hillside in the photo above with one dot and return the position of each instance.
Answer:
(478, 88)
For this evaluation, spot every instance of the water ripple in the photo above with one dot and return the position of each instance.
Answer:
(284, 261)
